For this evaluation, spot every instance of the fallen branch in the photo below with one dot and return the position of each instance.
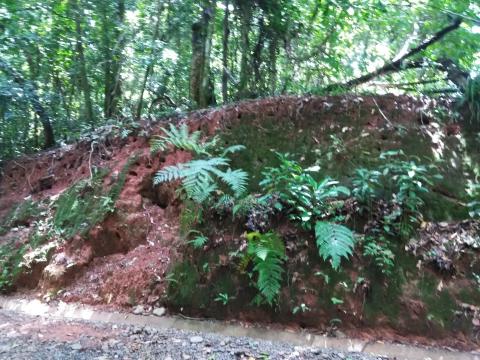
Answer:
(401, 63)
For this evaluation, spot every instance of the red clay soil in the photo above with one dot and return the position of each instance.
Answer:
(125, 259)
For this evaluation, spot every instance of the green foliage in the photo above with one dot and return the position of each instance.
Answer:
(191, 216)
(19, 214)
(199, 240)
(84, 204)
(365, 185)
(81, 206)
(308, 198)
(10, 265)
(474, 204)
(382, 256)
(311, 202)
(224, 298)
(398, 184)
(334, 242)
(183, 283)
(200, 178)
(179, 138)
(471, 99)
(155, 69)
(267, 252)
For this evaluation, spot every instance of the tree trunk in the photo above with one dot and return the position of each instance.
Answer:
(32, 96)
(245, 13)
(257, 58)
(113, 57)
(149, 69)
(84, 83)
(201, 83)
(272, 66)
(226, 34)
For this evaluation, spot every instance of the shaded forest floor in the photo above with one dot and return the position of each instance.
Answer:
(84, 223)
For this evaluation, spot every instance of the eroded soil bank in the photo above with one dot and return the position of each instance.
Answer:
(84, 223)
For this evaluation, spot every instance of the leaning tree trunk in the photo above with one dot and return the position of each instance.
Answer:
(31, 95)
(201, 83)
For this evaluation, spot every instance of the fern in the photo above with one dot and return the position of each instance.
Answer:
(268, 254)
(200, 177)
(334, 242)
(198, 241)
(179, 138)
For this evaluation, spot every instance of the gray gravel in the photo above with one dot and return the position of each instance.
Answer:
(25, 337)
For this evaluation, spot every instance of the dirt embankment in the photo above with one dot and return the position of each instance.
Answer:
(125, 259)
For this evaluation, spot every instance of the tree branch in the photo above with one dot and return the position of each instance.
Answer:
(401, 64)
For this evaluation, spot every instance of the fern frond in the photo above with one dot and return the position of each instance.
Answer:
(235, 179)
(169, 173)
(233, 149)
(179, 138)
(199, 241)
(201, 190)
(334, 242)
(268, 254)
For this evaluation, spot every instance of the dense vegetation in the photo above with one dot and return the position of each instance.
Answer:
(69, 66)
(353, 206)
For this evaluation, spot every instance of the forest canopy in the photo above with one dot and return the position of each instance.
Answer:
(70, 66)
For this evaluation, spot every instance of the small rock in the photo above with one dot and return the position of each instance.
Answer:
(159, 311)
(196, 339)
(186, 357)
(340, 334)
(137, 310)
(76, 346)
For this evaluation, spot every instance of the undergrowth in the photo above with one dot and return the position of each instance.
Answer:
(75, 211)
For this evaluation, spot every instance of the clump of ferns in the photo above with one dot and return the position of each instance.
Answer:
(209, 174)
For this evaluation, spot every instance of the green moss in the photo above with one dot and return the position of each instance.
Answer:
(184, 289)
(85, 204)
(273, 134)
(440, 304)
(20, 214)
(470, 295)
(81, 206)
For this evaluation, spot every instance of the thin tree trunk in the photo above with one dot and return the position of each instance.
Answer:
(226, 34)
(245, 14)
(272, 66)
(32, 96)
(112, 62)
(84, 83)
(257, 57)
(149, 69)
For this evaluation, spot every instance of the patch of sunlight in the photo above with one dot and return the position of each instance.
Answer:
(169, 54)
(132, 16)
(34, 307)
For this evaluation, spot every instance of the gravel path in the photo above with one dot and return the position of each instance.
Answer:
(26, 337)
